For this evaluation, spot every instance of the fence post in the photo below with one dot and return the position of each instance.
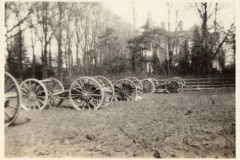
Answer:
(198, 83)
(223, 86)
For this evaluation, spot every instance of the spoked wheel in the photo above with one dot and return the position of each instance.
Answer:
(12, 99)
(173, 86)
(182, 80)
(125, 90)
(86, 93)
(148, 86)
(55, 88)
(138, 83)
(34, 94)
(108, 89)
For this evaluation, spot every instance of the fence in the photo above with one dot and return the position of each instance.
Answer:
(194, 84)
(207, 83)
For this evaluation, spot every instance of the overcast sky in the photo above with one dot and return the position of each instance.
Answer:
(158, 10)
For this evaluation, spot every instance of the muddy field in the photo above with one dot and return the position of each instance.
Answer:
(187, 125)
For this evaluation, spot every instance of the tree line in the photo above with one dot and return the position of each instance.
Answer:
(87, 39)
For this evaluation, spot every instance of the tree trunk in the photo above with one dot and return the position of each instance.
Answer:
(20, 55)
(206, 41)
(77, 58)
(45, 64)
(133, 65)
(33, 62)
(59, 40)
(50, 56)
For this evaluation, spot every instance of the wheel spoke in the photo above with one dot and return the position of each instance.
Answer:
(76, 95)
(53, 84)
(92, 102)
(7, 114)
(97, 95)
(26, 86)
(23, 90)
(30, 86)
(28, 102)
(78, 90)
(77, 98)
(118, 89)
(39, 89)
(94, 98)
(79, 85)
(11, 95)
(39, 100)
(11, 106)
(57, 88)
(6, 79)
(129, 96)
(89, 107)
(38, 105)
(9, 88)
(89, 87)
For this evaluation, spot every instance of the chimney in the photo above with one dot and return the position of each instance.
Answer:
(163, 25)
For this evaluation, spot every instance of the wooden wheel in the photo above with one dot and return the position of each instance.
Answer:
(55, 88)
(173, 86)
(12, 101)
(138, 83)
(125, 90)
(182, 80)
(148, 86)
(86, 93)
(34, 94)
(108, 89)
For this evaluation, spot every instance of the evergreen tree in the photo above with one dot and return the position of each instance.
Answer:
(156, 63)
(184, 63)
(18, 61)
(198, 59)
(136, 46)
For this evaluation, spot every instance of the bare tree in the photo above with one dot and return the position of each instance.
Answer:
(43, 13)
(33, 31)
(209, 39)
(58, 23)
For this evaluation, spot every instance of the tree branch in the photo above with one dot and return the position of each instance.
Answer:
(20, 22)
(199, 10)
(224, 39)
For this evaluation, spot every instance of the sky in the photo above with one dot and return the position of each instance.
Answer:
(158, 11)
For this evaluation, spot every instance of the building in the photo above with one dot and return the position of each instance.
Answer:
(165, 44)
(171, 46)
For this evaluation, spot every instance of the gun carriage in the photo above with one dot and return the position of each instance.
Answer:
(172, 85)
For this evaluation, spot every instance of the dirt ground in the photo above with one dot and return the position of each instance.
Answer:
(193, 124)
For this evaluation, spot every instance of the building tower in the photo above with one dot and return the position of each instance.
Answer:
(149, 22)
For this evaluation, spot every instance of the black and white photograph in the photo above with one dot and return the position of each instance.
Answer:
(119, 79)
